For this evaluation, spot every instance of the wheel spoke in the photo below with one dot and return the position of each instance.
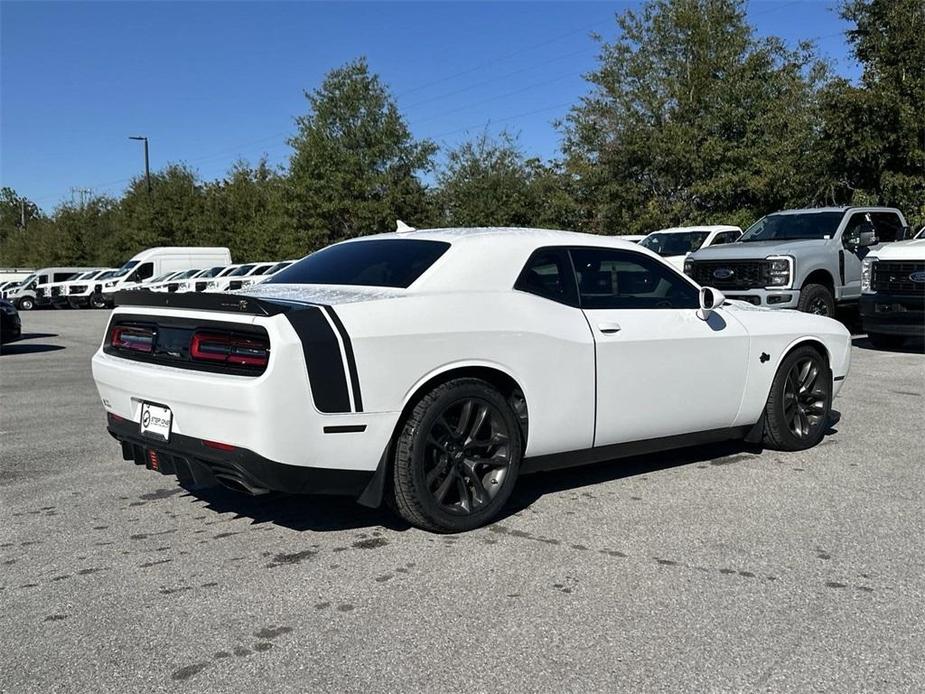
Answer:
(436, 444)
(441, 491)
(477, 423)
(464, 417)
(465, 496)
(479, 494)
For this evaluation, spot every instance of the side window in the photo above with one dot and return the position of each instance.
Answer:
(64, 276)
(888, 226)
(548, 274)
(625, 280)
(725, 237)
(144, 271)
(854, 223)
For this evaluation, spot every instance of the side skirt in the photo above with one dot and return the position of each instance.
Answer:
(600, 454)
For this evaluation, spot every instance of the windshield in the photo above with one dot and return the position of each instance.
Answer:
(243, 270)
(212, 271)
(124, 270)
(161, 278)
(792, 227)
(184, 275)
(278, 267)
(379, 263)
(29, 280)
(674, 243)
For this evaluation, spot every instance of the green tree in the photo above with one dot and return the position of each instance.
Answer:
(171, 215)
(874, 132)
(691, 118)
(14, 210)
(485, 182)
(355, 163)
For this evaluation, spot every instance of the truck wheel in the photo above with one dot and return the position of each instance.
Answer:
(799, 404)
(97, 301)
(457, 457)
(881, 341)
(26, 304)
(815, 298)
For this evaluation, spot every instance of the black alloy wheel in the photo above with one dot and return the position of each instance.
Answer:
(456, 457)
(805, 398)
(799, 405)
(467, 455)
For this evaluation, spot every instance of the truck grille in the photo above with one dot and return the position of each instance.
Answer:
(731, 274)
(895, 277)
(201, 286)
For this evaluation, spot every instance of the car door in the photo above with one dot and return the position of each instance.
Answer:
(661, 370)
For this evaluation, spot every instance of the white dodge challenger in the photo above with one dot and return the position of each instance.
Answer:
(432, 368)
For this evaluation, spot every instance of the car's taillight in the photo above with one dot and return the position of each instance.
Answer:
(132, 338)
(234, 350)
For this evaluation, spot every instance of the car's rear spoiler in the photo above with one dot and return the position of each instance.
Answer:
(233, 303)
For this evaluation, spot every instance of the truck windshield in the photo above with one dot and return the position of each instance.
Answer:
(792, 227)
(124, 270)
(674, 243)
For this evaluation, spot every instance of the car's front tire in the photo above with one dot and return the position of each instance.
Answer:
(457, 457)
(800, 402)
(25, 304)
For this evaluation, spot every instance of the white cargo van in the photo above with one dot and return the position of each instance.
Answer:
(155, 262)
(26, 295)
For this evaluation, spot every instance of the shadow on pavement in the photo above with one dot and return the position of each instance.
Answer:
(910, 346)
(327, 513)
(27, 348)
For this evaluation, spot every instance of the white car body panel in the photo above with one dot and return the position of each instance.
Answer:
(664, 373)
(677, 261)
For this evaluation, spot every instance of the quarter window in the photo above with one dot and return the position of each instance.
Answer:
(614, 279)
(548, 274)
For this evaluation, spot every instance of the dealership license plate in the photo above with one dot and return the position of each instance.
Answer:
(156, 421)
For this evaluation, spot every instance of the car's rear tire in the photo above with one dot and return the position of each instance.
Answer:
(817, 299)
(457, 457)
(799, 405)
(882, 341)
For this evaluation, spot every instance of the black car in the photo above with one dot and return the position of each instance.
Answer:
(10, 323)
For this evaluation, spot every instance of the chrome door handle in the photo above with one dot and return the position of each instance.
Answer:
(608, 328)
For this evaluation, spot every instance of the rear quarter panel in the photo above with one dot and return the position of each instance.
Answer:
(546, 347)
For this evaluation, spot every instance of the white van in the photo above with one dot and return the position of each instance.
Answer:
(32, 290)
(156, 262)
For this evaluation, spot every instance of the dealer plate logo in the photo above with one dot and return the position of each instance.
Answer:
(723, 273)
(918, 277)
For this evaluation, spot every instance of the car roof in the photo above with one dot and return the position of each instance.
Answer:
(525, 236)
(863, 208)
(698, 227)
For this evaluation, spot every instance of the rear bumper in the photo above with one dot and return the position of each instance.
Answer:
(195, 464)
(10, 328)
(893, 314)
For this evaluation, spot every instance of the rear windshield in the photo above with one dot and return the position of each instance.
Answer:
(374, 263)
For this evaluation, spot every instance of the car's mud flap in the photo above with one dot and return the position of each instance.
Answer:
(375, 491)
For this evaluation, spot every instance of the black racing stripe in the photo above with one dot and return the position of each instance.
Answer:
(322, 356)
(345, 429)
(351, 361)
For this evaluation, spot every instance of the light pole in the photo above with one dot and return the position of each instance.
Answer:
(147, 169)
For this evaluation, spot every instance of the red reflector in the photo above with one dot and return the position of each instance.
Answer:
(116, 418)
(152, 458)
(132, 338)
(219, 446)
(229, 349)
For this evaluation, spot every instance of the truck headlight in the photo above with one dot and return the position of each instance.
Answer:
(780, 271)
(688, 267)
(867, 273)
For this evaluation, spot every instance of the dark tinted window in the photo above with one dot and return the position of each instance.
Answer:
(725, 237)
(622, 279)
(144, 271)
(548, 274)
(888, 226)
(374, 263)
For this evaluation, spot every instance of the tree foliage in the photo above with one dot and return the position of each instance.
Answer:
(693, 118)
(690, 118)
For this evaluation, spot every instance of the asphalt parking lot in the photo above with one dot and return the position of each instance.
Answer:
(716, 568)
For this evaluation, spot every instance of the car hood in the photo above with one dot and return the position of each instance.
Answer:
(912, 249)
(756, 249)
(330, 294)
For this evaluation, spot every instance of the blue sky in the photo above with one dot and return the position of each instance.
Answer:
(213, 82)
